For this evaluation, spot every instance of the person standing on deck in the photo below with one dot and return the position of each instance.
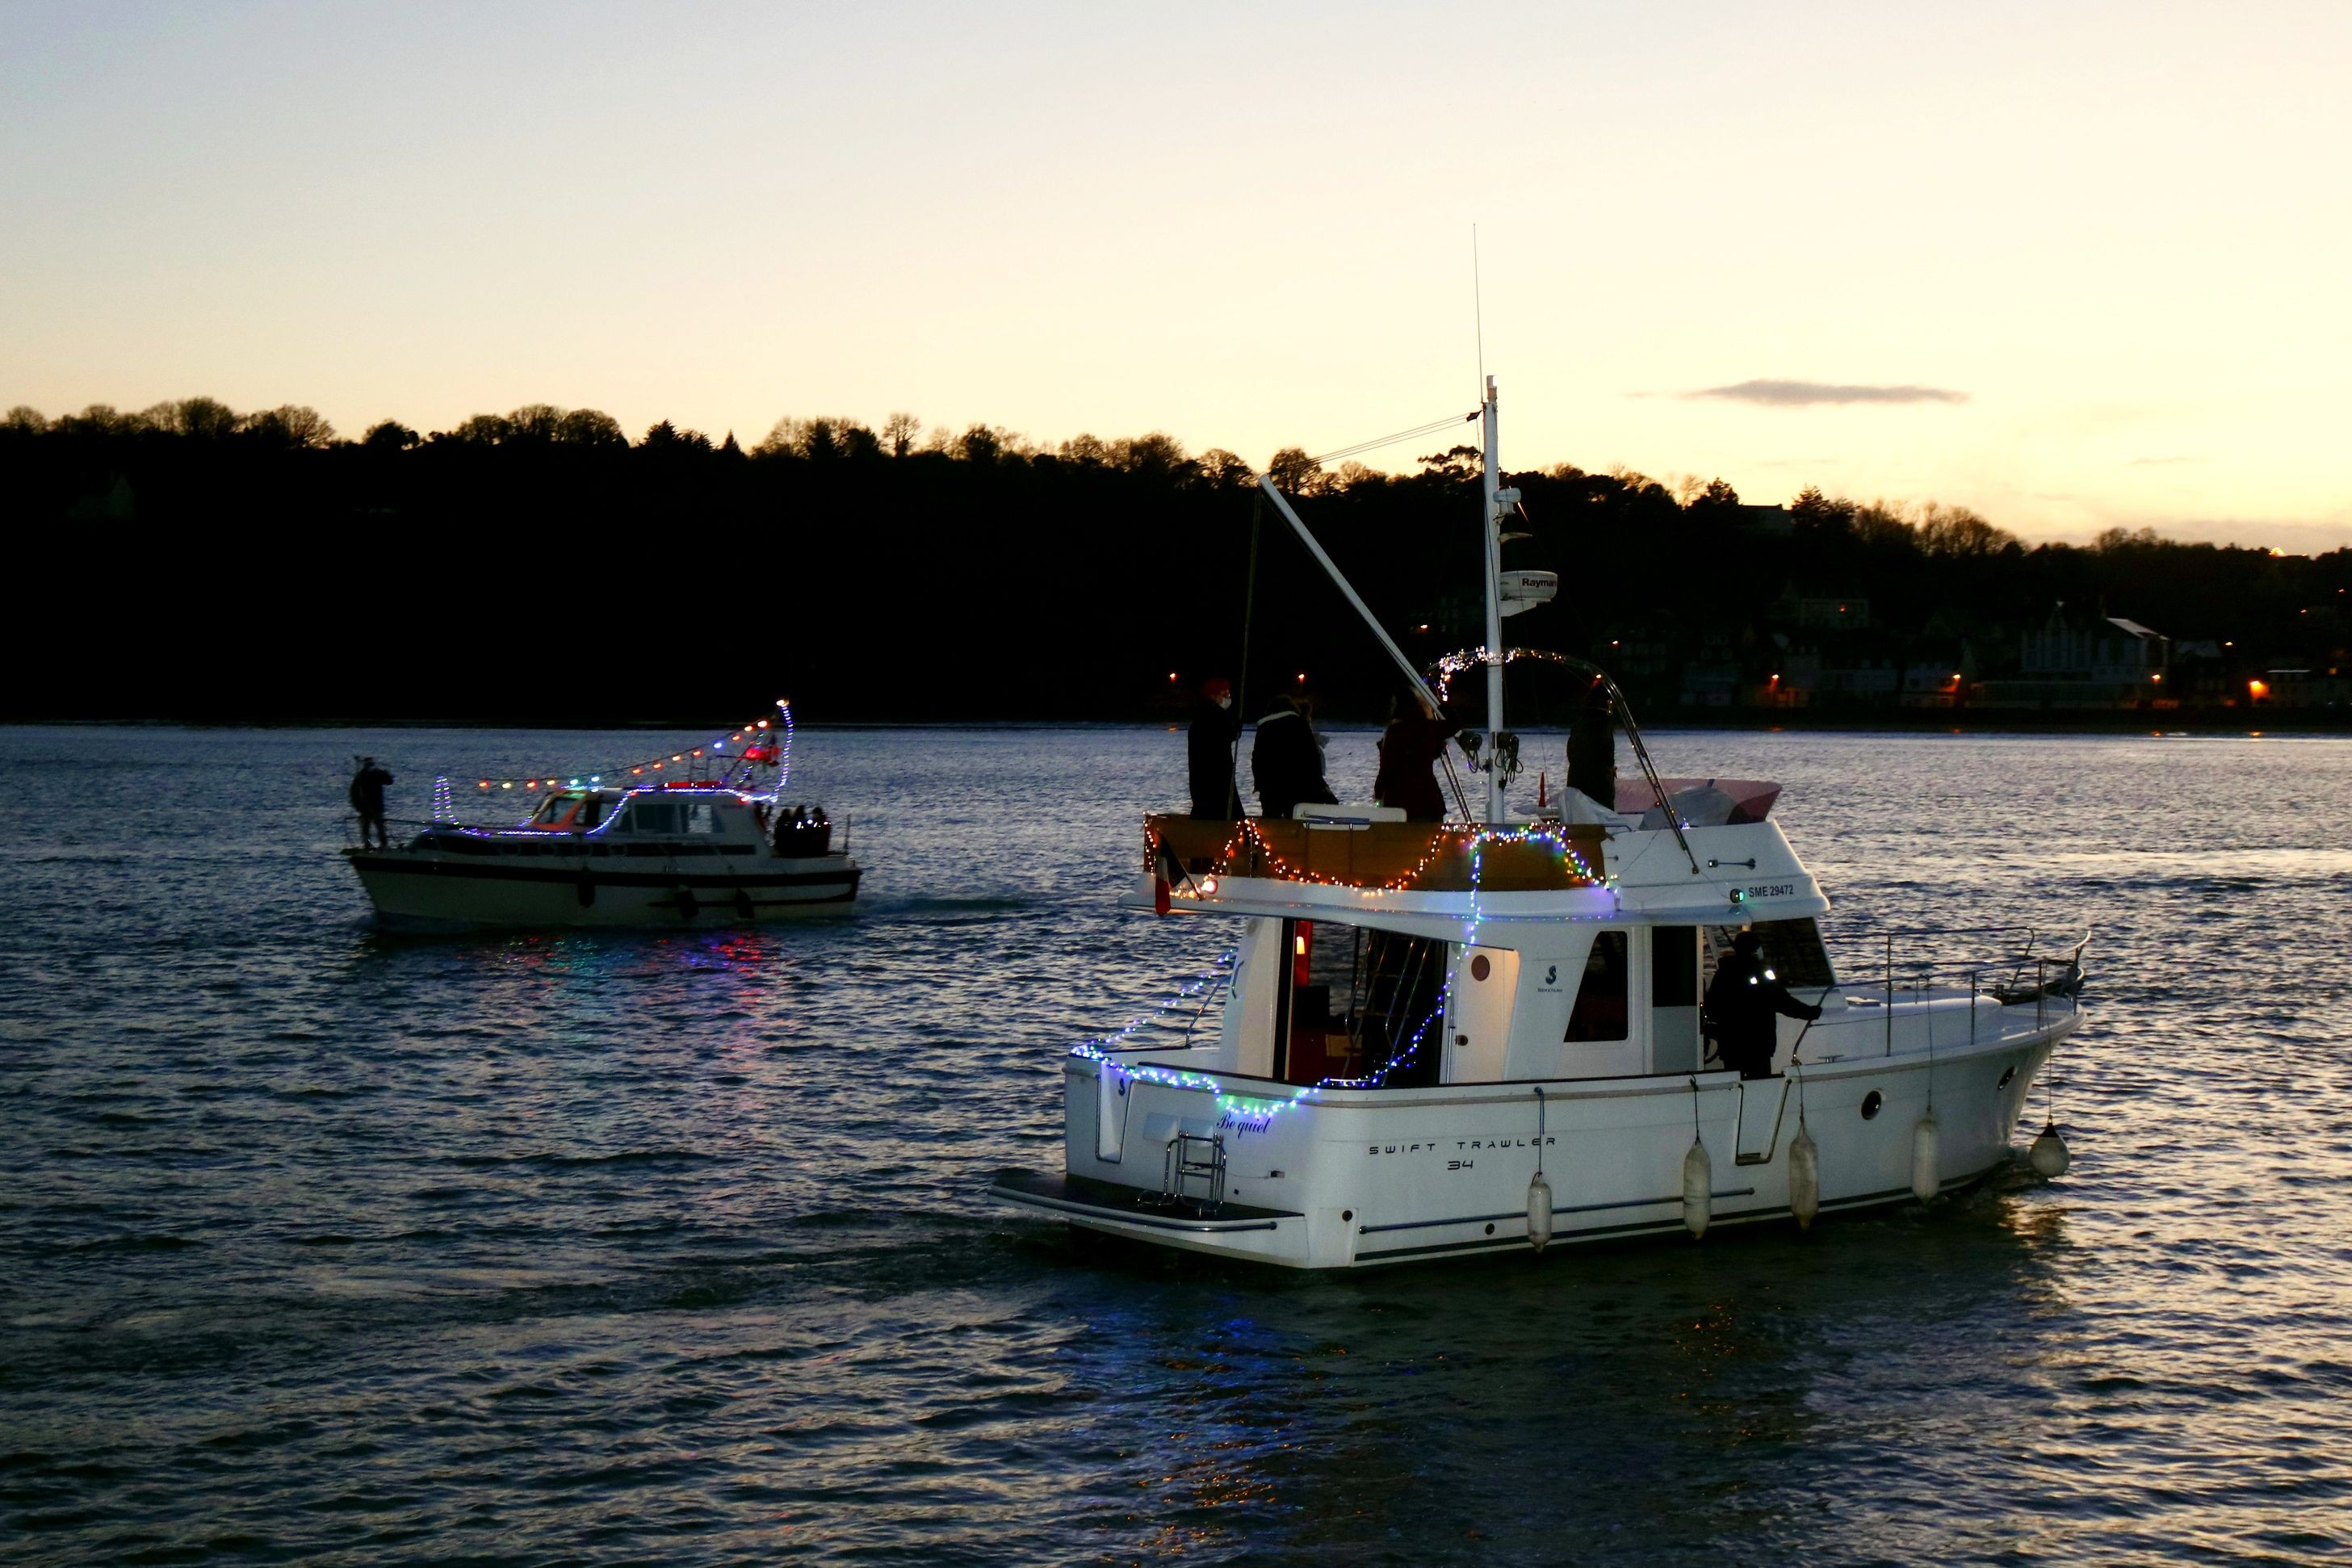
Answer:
(1209, 752)
(1287, 760)
(367, 799)
(1409, 752)
(1742, 1001)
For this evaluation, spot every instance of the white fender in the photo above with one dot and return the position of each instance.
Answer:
(1924, 1181)
(2050, 1156)
(1538, 1211)
(1698, 1182)
(1804, 1179)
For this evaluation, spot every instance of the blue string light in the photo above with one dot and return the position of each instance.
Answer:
(1100, 1050)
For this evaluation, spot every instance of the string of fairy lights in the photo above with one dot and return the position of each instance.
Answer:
(1101, 1050)
(1445, 840)
(768, 740)
(1455, 663)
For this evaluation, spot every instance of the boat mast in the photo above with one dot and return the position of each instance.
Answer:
(1491, 538)
(1348, 590)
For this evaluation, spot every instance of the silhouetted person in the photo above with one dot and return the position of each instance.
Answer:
(367, 799)
(1742, 1001)
(1287, 760)
(1409, 748)
(1593, 746)
(1209, 752)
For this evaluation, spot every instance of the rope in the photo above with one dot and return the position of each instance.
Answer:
(1413, 435)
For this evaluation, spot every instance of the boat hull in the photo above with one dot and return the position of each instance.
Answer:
(1372, 1178)
(415, 889)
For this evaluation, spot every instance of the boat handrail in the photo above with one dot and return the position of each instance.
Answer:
(2056, 984)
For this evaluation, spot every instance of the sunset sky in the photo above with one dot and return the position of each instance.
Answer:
(2072, 265)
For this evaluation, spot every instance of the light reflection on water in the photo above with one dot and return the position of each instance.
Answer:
(666, 1246)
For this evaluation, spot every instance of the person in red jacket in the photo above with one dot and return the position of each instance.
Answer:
(1409, 748)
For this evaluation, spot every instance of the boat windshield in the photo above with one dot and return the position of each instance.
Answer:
(576, 810)
(1792, 950)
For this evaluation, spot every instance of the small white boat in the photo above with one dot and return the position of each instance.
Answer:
(701, 852)
(1482, 1036)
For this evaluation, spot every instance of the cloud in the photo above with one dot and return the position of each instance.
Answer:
(2159, 462)
(1803, 393)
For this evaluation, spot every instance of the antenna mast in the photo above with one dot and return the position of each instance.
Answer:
(1490, 536)
(1478, 309)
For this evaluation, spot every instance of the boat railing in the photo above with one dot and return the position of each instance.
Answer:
(353, 839)
(1151, 1032)
(2048, 978)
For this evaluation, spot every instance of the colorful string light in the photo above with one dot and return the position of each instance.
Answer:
(1099, 1050)
(740, 761)
(1472, 838)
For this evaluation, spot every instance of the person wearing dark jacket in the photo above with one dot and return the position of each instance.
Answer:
(367, 799)
(1209, 754)
(1409, 748)
(1742, 1001)
(1286, 761)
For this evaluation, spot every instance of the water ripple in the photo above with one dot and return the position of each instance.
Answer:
(320, 1241)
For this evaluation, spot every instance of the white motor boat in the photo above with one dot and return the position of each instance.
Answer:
(709, 850)
(1477, 1036)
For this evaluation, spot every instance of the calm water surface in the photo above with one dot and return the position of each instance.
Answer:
(315, 1242)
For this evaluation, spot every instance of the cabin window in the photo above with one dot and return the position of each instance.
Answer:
(701, 816)
(1791, 950)
(555, 810)
(1600, 1013)
(591, 812)
(1356, 999)
(653, 816)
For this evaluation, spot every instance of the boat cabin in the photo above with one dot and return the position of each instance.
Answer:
(707, 813)
(1355, 1004)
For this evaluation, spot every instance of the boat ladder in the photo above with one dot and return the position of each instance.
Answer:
(1194, 1172)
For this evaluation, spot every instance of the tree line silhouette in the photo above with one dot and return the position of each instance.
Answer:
(538, 566)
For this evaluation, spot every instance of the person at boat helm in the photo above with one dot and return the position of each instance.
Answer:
(1209, 752)
(367, 799)
(1287, 760)
(1742, 1001)
(1409, 748)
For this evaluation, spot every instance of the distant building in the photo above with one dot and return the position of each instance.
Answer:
(2069, 662)
(1710, 683)
(1820, 611)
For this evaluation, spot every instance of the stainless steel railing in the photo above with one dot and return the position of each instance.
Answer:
(2050, 978)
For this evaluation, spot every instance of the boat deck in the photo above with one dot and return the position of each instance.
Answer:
(1082, 1195)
